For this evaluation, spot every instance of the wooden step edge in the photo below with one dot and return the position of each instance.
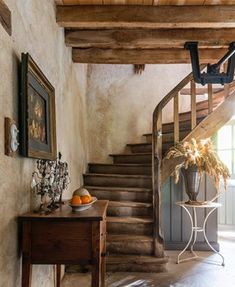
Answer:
(149, 144)
(121, 164)
(169, 133)
(117, 175)
(200, 109)
(128, 237)
(139, 144)
(118, 189)
(182, 129)
(129, 204)
(129, 220)
(131, 154)
(200, 91)
(136, 259)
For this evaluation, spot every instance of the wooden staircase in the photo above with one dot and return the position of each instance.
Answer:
(132, 183)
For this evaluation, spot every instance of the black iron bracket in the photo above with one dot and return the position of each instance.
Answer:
(213, 74)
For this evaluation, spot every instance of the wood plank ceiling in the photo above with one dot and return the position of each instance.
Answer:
(144, 31)
(145, 2)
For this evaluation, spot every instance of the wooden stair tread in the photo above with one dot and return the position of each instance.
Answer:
(115, 259)
(129, 204)
(149, 144)
(117, 175)
(121, 164)
(199, 91)
(113, 188)
(139, 144)
(186, 126)
(130, 220)
(130, 154)
(127, 237)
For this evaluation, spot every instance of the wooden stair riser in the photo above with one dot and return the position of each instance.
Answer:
(138, 266)
(147, 148)
(130, 228)
(120, 169)
(130, 247)
(183, 126)
(129, 211)
(167, 137)
(140, 158)
(117, 181)
(200, 113)
(122, 195)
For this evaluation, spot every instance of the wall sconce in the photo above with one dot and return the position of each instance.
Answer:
(11, 137)
(213, 74)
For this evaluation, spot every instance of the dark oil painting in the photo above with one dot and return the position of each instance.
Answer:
(37, 112)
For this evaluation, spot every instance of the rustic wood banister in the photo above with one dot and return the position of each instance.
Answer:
(221, 106)
(157, 156)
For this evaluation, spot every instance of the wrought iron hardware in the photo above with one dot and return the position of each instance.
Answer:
(213, 74)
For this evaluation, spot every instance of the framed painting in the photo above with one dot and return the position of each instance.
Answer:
(37, 112)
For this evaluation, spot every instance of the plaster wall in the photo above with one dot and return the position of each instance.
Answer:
(120, 104)
(35, 31)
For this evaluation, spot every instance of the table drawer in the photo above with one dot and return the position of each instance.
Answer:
(53, 242)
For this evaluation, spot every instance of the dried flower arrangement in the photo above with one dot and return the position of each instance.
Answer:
(202, 154)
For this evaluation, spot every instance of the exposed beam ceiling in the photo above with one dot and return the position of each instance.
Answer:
(144, 2)
(5, 17)
(146, 56)
(123, 17)
(148, 38)
(146, 34)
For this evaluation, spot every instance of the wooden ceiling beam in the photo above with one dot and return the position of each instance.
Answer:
(5, 17)
(147, 56)
(148, 39)
(111, 17)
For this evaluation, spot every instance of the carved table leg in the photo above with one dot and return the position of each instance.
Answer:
(58, 275)
(103, 270)
(96, 255)
(26, 273)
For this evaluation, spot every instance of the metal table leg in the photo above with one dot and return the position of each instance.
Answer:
(190, 239)
(193, 235)
(207, 241)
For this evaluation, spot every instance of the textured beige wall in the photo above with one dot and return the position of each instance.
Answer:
(35, 31)
(120, 104)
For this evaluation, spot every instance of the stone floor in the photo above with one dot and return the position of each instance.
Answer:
(200, 273)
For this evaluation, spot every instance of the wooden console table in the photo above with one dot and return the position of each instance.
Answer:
(64, 237)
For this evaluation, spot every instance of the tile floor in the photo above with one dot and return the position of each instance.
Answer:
(200, 273)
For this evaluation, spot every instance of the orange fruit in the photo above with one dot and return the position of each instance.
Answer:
(76, 200)
(86, 199)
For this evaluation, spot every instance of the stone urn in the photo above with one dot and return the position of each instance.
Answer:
(192, 180)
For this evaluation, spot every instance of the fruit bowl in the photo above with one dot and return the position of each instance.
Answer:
(81, 207)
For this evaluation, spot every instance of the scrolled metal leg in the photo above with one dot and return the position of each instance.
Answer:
(190, 238)
(207, 241)
(195, 230)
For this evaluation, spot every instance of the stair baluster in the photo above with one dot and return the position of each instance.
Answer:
(210, 99)
(176, 119)
(193, 105)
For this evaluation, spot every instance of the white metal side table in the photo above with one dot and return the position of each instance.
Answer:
(195, 229)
